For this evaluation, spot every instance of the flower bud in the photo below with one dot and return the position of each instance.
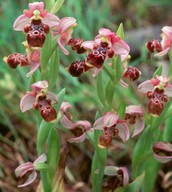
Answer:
(75, 43)
(77, 68)
(15, 59)
(132, 73)
(153, 46)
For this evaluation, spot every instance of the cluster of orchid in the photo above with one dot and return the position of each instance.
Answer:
(37, 23)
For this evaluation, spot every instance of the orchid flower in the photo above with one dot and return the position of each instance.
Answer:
(115, 43)
(64, 29)
(106, 45)
(115, 177)
(134, 116)
(78, 128)
(40, 98)
(157, 90)
(166, 42)
(31, 169)
(111, 126)
(36, 22)
(31, 58)
(36, 12)
(163, 151)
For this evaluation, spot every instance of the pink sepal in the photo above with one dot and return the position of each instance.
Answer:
(99, 124)
(39, 85)
(162, 146)
(123, 130)
(138, 127)
(33, 68)
(51, 20)
(78, 139)
(20, 22)
(110, 119)
(30, 179)
(146, 86)
(27, 102)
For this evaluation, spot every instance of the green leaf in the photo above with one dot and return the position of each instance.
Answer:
(42, 136)
(56, 6)
(158, 71)
(53, 152)
(141, 152)
(100, 89)
(98, 164)
(167, 134)
(120, 31)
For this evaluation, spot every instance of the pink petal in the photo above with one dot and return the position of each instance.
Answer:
(20, 22)
(30, 179)
(33, 68)
(145, 86)
(27, 102)
(123, 131)
(110, 119)
(139, 126)
(162, 53)
(86, 125)
(98, 125)
(51, 20)
(78, 139)
(39, 85)
(66, 123)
